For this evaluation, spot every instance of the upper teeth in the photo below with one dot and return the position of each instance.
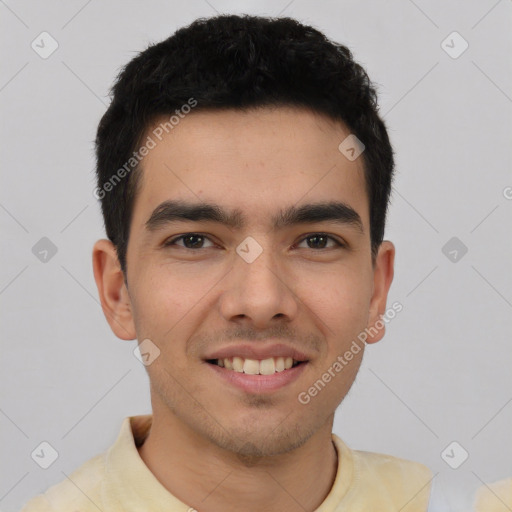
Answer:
(255, 366)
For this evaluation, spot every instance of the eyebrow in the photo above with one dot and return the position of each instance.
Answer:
(175, 210)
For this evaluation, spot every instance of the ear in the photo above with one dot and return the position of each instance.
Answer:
(115, 300)
(383, 271)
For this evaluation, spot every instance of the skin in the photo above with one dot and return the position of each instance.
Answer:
(211, 444)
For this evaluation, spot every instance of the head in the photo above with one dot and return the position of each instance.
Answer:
(239, 226)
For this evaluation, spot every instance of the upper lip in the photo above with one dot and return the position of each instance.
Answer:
(260, 352)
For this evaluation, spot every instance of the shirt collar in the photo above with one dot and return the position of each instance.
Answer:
(130, 486)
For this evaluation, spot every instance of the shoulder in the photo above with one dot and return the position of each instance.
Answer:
(494, 497)
(384, 482)
(404, 483)
(79, 491)
(391, 469)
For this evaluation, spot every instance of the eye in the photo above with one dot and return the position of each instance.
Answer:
(190, 241)
(319, 241)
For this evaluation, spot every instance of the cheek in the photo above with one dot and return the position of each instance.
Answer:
(339, 300)
(168, 299)
(159, 301)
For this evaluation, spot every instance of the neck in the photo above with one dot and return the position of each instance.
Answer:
(212, 479)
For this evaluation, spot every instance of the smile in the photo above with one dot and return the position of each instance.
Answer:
(267, 366)
(257, 376)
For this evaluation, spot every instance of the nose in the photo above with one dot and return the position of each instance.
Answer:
(258, 293)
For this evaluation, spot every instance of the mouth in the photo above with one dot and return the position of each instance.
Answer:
(268, 366)
(257, 368)
(257, 376)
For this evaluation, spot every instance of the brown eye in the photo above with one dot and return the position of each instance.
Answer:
(191, 241)
(319, 241)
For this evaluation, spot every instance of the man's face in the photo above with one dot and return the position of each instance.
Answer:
(199, 295)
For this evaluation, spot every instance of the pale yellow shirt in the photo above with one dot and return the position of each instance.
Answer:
(119, 481)
(495, 497)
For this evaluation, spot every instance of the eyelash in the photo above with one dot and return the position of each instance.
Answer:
(172, 241)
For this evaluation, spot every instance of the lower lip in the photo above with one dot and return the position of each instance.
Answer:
(259, 383)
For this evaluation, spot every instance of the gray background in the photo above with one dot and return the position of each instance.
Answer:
(443, 371)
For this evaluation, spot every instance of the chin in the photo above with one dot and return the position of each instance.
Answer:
(263, 440)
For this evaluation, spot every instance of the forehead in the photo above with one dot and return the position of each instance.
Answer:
(257, 161)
